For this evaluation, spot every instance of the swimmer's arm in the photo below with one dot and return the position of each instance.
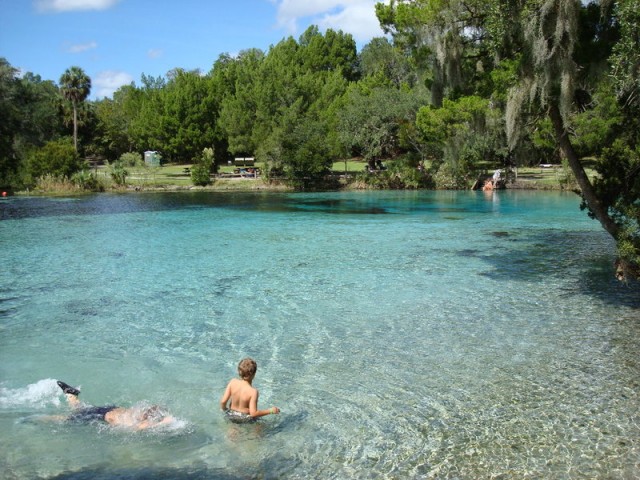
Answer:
(50, 418)
(225, 397)
(146, 424)
(253, 407)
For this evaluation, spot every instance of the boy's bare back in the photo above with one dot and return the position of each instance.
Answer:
(243, 396)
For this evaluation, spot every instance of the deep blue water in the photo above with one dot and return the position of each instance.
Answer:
(403, 335)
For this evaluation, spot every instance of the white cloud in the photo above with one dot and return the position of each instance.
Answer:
(154, 53)
(82, 47)
(358, 20)
(73, 5)
(357, 17)
(109, 81)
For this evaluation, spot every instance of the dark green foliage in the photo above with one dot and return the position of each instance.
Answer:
(113, 135)
(333, 51)
(75, 86)
(201, 169)
(625, 60)
(29, 117)
(619, 179)
(371, 120)
(401, 173)
(10, 123)
(118, 172)
(544, 142)
(200, 175)
(87, 181)
(598, 126)
(619, 188)
(58, 158)
(461, 135)
(305, 153)
(187, 116)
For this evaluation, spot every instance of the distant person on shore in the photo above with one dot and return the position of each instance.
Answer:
(496, 177)
(134, 418)
(244, 396)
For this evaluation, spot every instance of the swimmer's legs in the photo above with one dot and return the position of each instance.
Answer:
(47, 418)
(68, 388)
(71, 393)
(72, 400)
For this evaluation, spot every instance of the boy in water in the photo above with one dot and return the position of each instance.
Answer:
(243, 396)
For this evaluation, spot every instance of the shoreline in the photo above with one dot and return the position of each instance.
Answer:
(230, 186)
(173, 179)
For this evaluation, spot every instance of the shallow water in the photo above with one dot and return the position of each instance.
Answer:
(403, 335)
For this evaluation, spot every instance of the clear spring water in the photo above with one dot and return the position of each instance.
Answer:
(403, 334)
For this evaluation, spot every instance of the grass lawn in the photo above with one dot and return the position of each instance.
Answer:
(549, 177)
(352, 166)
(175, 175)
(165, 175)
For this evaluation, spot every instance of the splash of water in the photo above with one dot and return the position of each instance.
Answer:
(42, 394)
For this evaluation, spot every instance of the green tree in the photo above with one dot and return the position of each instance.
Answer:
(238, 106)
(618, 183)
(75, 86)
(548, 75)
(57, 157)
(545, 39)
(188, 115)
(10, 124)
(305, 153)
(329, 52)
(625, 60)
(29, 108)
(370, 120)
(113, 131)
(142, 111)
(275, 98)
(444, 38)
(458, 134)
(38, 102)
(598, 126)
(201, 169)
(379, 58)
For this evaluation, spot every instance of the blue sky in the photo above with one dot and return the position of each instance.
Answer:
(116, 41)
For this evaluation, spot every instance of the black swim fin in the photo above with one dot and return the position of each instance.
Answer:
(68, 388)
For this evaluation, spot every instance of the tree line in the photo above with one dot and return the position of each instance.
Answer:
(456, 87)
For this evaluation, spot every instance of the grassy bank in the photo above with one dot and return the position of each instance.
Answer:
(178, 177)
(542, 178)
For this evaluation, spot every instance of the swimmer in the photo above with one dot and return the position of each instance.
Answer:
(141, 418)
(244, 396)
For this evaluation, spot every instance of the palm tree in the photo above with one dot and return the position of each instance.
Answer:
(75, 86)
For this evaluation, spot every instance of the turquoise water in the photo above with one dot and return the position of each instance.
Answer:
(403, 335)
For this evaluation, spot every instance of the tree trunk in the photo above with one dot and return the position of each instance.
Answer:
(75, 126)
(588, 193)
(437, 86)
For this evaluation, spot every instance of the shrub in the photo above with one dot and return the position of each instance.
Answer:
(201, 169)
(200, 175)
(131, 159)
(86, 180)
(57, 158)
(55, 183)
(400, 174)
(118, 172)
(447, 178)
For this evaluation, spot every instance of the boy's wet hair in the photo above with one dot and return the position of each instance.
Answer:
(154, 413)
(247, 368)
